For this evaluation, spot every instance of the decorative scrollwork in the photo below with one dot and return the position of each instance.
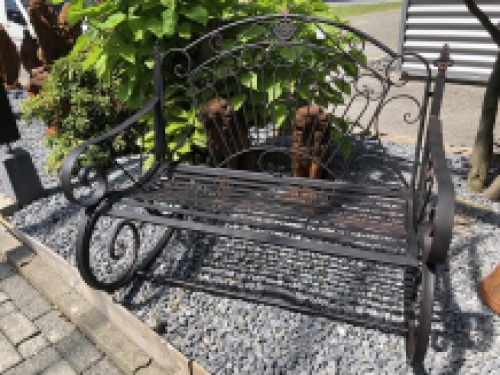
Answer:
(285, 29)
(113, 254)
(215, 42)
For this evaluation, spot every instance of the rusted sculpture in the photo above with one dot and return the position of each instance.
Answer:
(225, 136)
(489, 290)
(9, 60)
(55, 37)
(311, 136)
(28, 52)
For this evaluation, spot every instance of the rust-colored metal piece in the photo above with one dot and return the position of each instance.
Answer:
(226, 137)
(9, 60)
(311, 136)
(28, 52)
(55, 37)
(489, 290)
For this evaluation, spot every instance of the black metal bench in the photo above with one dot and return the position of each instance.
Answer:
(358, 208)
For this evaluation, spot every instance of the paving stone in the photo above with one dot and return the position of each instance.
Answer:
(5, 270)
(155, 369)
(103, 367)
(53, 326)
(78, 351)
(32, 346)
(36, 364)
(9, 243)
(16, 287)
(72, 305)
(7, 308)
(17, 327)
(8, 354)
(20, 256)
(125, 354)
(34, 306)
(60, 368)
(3, 297)
(45, 279)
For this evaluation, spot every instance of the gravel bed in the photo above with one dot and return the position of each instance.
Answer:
(229, 336)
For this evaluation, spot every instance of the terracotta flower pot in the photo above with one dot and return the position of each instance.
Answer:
(489, 290)
(51, 131)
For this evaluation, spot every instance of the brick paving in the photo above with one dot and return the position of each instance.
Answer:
(36, 338)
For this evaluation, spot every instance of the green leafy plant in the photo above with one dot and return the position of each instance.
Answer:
(122, 34)
(80, 106)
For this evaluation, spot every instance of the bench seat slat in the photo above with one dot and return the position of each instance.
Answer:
(264, 179)
(331, 249)
(361, 225)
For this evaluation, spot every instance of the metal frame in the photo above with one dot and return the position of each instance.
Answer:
(339, 215)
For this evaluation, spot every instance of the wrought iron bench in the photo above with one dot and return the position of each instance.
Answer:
(277, 101)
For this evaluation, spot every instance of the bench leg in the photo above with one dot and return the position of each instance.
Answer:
(418, 311)
(83, 256)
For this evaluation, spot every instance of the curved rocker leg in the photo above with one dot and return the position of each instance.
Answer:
(83, 256)
(419, 314)
(83, 252)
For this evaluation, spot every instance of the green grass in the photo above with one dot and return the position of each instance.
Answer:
(344, 11)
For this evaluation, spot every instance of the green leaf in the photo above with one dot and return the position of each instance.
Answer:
(343, 86)
(281, 112)
(290, 53)
(81, 42)
(237, 101)
(75, 12)
(247, 35)
(127, 51)
(197, 14)
(249, 80)
(350, 68)
(168, 3)
(185, 30)
(156, 27)
(92, 57)
(100, 65)
(112, 21)
(274, 91)
(169, 17)
(139, 35)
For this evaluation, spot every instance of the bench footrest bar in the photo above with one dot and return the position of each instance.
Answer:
(325, 248)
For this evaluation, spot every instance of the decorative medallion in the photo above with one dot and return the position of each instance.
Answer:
(285, 29)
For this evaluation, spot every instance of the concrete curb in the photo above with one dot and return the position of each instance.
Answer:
(136, 350)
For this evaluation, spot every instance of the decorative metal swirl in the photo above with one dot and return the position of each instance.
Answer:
(100, 184)
(114, 237)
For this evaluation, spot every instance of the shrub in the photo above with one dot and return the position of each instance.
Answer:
(80, 106)
(123, 32)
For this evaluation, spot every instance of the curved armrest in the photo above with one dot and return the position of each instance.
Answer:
(83, 174)
(443, 220)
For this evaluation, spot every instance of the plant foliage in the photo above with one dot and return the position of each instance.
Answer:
(122, 34)
(80, 106)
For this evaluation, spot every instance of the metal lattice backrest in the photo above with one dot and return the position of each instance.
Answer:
(283, 92)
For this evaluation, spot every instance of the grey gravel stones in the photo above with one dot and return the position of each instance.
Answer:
(229, 336)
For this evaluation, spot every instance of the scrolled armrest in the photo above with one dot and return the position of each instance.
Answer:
(83, 175)
(445, 210)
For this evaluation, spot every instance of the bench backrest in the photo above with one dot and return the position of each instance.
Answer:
(284, 92)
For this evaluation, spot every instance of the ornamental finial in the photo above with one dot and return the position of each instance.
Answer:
(444, 61)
